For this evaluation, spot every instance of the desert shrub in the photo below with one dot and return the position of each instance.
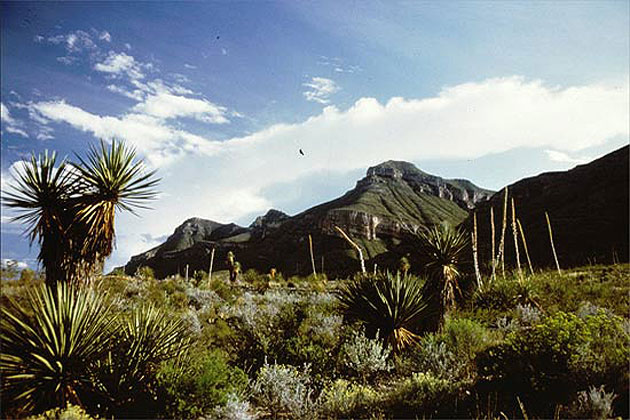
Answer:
(389, 304)
(549, 362)
(364, 357)
(451, 354)
(194, 385)
(71, 412)
(432, 356)
(234, 409)
(421, 395)
(595, 403)
(265, 324)
(344, 399)
(504, 294)
(283, 390)
(466, 338)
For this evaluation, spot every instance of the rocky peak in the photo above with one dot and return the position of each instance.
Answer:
(463, 192)
(272, 217)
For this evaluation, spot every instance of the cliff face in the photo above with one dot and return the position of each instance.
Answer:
(392, 200)
(587, 206)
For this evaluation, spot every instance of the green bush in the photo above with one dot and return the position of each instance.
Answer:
(548, 363)
(344, 399)
(421, 395)
(505, 294)
(195, 385)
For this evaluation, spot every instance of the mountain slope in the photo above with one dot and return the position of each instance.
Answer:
(392, 199)
(588, 208)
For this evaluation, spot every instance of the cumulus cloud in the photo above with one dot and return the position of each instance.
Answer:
(166, 105)
(119, 64)
(320, 89)
(160, 142)
(10, 124)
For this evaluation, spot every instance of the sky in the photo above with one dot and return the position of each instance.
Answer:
(219, 97)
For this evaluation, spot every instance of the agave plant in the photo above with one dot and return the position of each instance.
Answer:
(50, 345)
(142, 339)
(389, 305)
(445, 248)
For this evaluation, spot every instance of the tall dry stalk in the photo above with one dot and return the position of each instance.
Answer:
(210, 268)
(355, 246)
(310, 248)
(515, 234)
(475, 250)
(553, 248)
(493, 255)
(529, 262)
(501, 256)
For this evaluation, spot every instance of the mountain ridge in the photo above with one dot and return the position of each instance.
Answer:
(393, 198)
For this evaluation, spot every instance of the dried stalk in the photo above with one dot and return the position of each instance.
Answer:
(515, 234)
(310, 247)
(347, 238)
(494, 261)
(211, 263)
(475, 248)
(501, 256)
(529, 262)
(553, 248)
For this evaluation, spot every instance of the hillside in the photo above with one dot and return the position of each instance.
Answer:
(392, 199)
(588, 208)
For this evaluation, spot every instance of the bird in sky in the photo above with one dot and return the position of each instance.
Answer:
(301, 152)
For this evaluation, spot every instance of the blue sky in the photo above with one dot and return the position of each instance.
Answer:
(220, 96)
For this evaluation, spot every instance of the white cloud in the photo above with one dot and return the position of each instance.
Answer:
(166, 105)
(135, 94)
(119, 64)
(189, 66)
(320, 89)
(105, 36)
(74, 42)
(160, 142)
(561, 157)
(10, 124)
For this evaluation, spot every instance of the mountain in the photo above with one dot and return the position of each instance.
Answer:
(393, 199)
(587, 206)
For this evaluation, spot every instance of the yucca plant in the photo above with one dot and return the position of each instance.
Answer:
(143, 339)
(111, 179)
(444, 248)
(50, 345)
(389, 305)
(42, 192)
(70, 208)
